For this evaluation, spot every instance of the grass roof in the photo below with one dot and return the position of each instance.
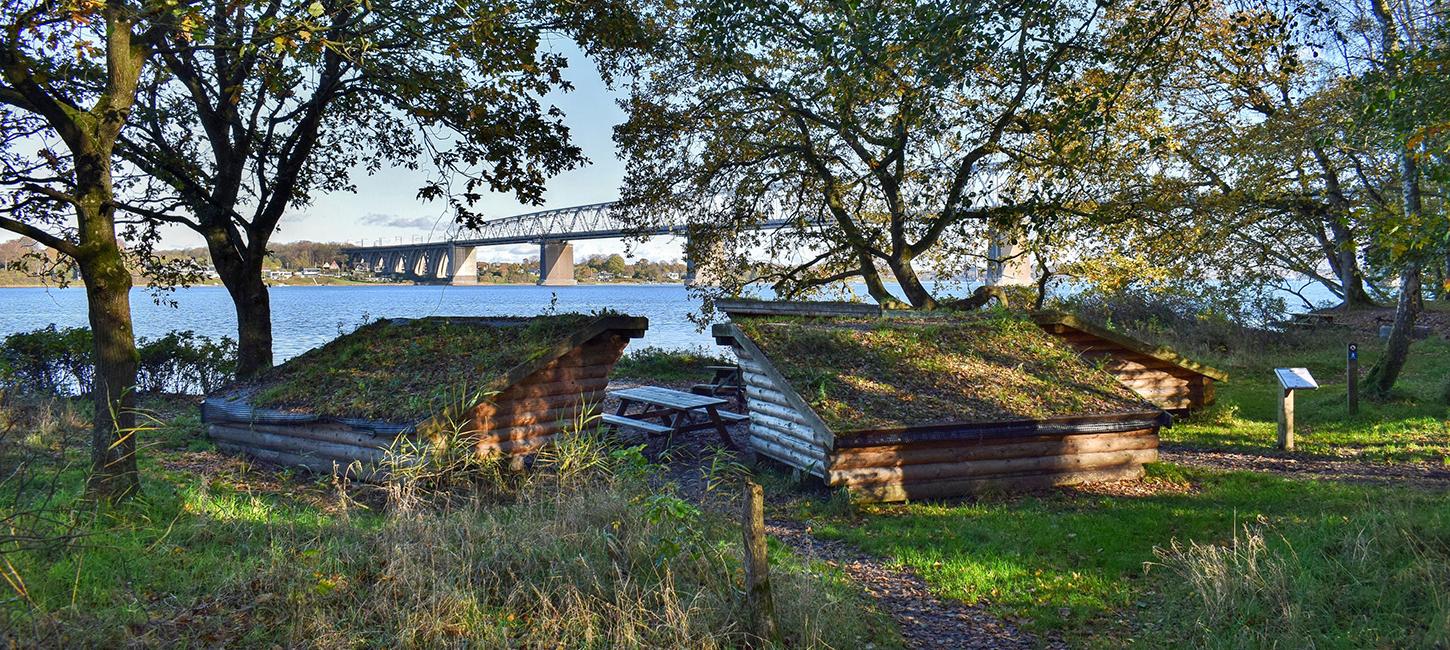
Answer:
(874, 373)
(405, 370)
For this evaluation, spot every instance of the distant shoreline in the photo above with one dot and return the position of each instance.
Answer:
(77, 285)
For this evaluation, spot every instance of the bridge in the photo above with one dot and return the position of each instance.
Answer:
(455, 260)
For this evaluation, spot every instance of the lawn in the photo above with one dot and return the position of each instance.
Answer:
(1412, 426)
(1357, 565)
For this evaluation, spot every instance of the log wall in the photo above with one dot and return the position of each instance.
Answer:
(517, 421)
(1167, 385)
(974, 464)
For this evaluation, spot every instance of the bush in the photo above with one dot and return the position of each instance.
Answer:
(1194, 318)
(659, 364)
(182, 362)
(54, 361)
(48, 361)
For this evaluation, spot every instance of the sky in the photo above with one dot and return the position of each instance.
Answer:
(385, 206)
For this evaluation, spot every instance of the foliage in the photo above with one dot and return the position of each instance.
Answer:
(48, 361)
(884, 134)
(870, 373)
(1220, 322)
(58, 362)
(399, 371)
(182, 362)
(658, 364)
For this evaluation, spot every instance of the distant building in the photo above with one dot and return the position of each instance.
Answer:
(310, 272)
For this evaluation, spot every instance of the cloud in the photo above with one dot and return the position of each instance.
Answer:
(395, 221)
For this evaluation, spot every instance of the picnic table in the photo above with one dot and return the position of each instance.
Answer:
(677, 412)
(727, 381)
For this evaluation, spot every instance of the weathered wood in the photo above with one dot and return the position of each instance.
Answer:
(808, 463)
(805, 448)
(985, 468)
(622, 421)
(1351, 377)
(998, 485)
(295, 445)
(1286, 420)
(319, 431)
(785, 427)
(360, 472)
(954, 451)
(758, 598)
(777, 411)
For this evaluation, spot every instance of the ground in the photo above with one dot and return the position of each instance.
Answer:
(1344, 543)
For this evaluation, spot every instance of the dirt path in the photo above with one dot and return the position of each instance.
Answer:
(925, 621)
(1423, 475)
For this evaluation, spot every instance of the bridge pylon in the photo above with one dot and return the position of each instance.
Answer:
(556, 264)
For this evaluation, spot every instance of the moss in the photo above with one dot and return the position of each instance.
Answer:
(403, 371)
(869, 373)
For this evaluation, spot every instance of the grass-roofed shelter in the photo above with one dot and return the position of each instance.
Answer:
(510, 383)
(1158, 373)
(912, 405)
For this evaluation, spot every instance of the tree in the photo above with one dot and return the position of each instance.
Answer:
(68, 79)
(288, 98)
(1404, 91)
(885, 133)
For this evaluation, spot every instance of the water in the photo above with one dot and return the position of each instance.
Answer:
(306, 317)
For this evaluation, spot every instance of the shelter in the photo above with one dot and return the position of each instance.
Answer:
(510, 384)
(909, 405)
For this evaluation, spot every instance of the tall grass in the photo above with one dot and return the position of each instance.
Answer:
(1383, 581)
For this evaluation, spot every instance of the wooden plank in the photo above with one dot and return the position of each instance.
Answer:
(319, 431)
(985, 468)
(791, 457)
(1080, 424)
(285, 459)
(999, 485)
(753, 354)
(902, 455)
(668, 398)
(622, 421)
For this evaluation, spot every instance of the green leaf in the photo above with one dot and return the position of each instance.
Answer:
(315, 9)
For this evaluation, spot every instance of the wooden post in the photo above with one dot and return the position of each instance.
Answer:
(757, 569)
(1286, 419)
(1351, 372)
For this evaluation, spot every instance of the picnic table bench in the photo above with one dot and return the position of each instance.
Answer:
(727, 381)
(677, 412)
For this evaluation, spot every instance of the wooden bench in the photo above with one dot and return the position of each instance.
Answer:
(676, 411)
(727, 381)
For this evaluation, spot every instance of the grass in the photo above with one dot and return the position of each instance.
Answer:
(396, 370)
(658, 364)
(875, 373)
(1411, 426)
(1088, 566)
(219, 552)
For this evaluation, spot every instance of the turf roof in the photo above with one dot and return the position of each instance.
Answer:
(874, 373)
(406, 370)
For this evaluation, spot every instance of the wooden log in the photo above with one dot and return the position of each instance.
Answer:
(590, 389)
(523, 412)
(987, 468)
(319, 431)
(776, 411)
(758, 598)
(785, 427)
(1006, 484)
(804, 447)
(295, 445)
(791, 457)
(943, 452)
(364, 472)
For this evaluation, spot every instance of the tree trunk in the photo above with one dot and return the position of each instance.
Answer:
(875, 286)
(1386, 371)
(113, 425)
(911, 284)
(254, 321)
(1351, 277)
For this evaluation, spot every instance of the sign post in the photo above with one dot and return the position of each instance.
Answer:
(1351, 371)
(1290, 380)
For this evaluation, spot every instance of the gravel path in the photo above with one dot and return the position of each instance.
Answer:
(1422, 475)
(925, 620)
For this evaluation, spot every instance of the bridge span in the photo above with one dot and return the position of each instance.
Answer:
(455, 260)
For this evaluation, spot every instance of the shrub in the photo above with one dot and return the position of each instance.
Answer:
(54, 361)
(1194, 318)
(182, 362)
(49, 361)
(668, 365)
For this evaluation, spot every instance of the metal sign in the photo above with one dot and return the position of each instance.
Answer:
(1295, 379)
